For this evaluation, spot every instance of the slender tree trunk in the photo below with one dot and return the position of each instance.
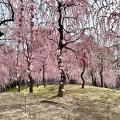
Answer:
(83, 80)
(31, 81)
(101, 76)
(44, 81)
(19, 86)
(31, 84)
(91, 73)
(37, 84)
(19, 83)
(31, 88)
(0, 89)
(93, 79)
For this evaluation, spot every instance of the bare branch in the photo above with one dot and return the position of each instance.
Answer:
(12, 18)
(52, 39)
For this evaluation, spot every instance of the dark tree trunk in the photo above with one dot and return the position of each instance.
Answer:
(93, 79)
(83, 80)
(117, 84)
(91, 73)
(19, 85)
(64, 78)
(31, 84)
(101, 77)
(101, 74)
(44, 81)
(95, 83)
(31, 87)
(37, 84)
(0, 89)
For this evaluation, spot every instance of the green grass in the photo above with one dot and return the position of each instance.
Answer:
(75, 91)
(49, 91)
(15, 89)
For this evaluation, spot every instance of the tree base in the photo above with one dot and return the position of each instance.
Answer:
(61, 91)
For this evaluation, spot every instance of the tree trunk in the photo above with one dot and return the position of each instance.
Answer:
(44, 81)
(19, 85)
(91, 73)
(83, 80)
(101, 77)
(31, 84)
(31, 87)
(61, 91)
(0, 89)
(31, 81)
(101, 74)
(61, 45)
(37, 84)
(93, 79)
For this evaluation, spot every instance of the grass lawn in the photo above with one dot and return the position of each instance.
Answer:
(94, 103)
(75, 91)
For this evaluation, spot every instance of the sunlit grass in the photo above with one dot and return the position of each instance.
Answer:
(47, 92)
(75, 91)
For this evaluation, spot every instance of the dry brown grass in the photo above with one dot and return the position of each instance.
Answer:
(91, 103)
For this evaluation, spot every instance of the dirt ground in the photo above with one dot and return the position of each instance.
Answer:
(12, 107)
